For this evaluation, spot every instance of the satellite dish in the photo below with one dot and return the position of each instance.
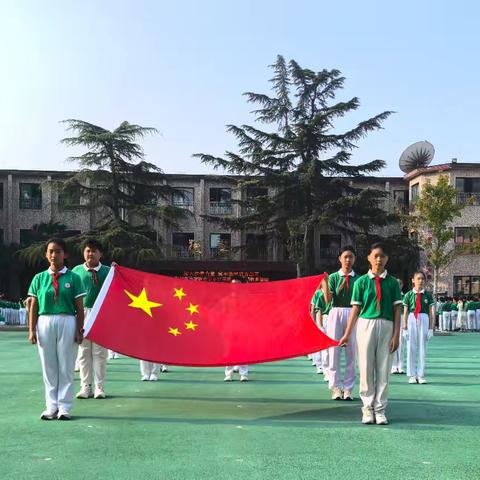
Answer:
(417, 155)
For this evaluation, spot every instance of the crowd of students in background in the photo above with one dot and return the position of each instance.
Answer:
(458, 314)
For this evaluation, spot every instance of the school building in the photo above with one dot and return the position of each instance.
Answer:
(201, 249)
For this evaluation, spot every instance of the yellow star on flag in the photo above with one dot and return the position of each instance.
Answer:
(174, 331)
(179, 293)
(142, 302)
(192, 309)
(191, 326)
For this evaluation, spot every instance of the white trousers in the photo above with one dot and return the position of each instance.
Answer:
(242, 370)
(337, 324)
(445, 321)
(397, 361)
(477, 316)
(321, 358)
(461, 320)
(471, 321)
(57, 350)
(417, 345)
(148, 368)
(374, 362)
(453, 320)
(92, 360)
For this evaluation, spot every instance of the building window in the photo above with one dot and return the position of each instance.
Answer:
(466, 285)
(400, 198)
(220, 245)
(183, 198)
(256, 247)
(69, 198)
(220, 201)
(30, 196)
(1, 195)
(330, 246)
(414, 193)
(252, 194)
(181, 243)
(465, 235)
(468, 190)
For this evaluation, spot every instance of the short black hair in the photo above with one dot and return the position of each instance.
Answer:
(59, 241)
(347, 248)
(93, 244)
(421, 273)
(380, 245)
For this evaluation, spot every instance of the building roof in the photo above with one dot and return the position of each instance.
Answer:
(440, 168)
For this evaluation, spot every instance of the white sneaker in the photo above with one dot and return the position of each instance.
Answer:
(319, 370)
(145, 378)
(422, 380)
(77, 367)
(48, 415)
(236, 369)
(314, 363)
(336, 394)
(412, 380)
(153, 378)
(368, 418)
(347, 395)
(401, 372)
(394, 370)
(164, 369)
(84, 393)
(64, 416)
(99, 393)
(381, 419)
(228, 378)
(243, 378)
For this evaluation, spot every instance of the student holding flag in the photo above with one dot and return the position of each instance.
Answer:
(418, 323)
(319, 313)
(56, 326)
(92, 358)
(337, 291)
(376, 301)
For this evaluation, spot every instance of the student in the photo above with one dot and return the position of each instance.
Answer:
(477, 314)
(418, 322)
(92, 358)
(241, 369)
(376, 301)
(319, 313)
(56, 326)
(453, 315)
(461, 320)
(470, 309)
(397, 365)
(338, 288)
(446, 315)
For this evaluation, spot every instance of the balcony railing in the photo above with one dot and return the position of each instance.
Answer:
(220, 254)
(181, 251)
(33, 203)
(220, 208)
(468, 198)
(330, 252)
(256, 253)
(185, 205)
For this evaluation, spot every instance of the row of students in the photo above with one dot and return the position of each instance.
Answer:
(365, 318)
(459, 314)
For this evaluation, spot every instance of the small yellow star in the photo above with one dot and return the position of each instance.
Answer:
(174, 331)
(179, 293)
(192, 309)
(142, 302)
(190, 325)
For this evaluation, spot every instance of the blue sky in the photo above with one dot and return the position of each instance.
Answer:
(182, 67)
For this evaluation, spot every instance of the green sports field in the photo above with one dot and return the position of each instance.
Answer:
(280, 425)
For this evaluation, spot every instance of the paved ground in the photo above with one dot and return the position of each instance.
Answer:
(281, 425)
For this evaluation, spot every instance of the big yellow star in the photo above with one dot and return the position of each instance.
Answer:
(174, 331)
(179, 293)
(142, 302)
(191, 326)
(192, 309)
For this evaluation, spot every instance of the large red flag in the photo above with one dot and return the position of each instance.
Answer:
(186, 322)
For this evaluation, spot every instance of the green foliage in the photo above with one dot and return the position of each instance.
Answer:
(435, 209)
(304, 161)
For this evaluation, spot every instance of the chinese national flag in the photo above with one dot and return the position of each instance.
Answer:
(186, 322)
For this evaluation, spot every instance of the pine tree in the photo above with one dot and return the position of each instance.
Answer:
(304, 161)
